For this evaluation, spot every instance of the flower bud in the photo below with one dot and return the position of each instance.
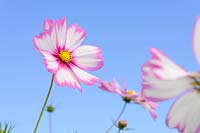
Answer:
(50, 108)
(122, 124)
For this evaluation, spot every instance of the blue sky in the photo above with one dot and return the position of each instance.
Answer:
(124, 29)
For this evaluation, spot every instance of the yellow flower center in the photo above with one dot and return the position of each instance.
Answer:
(130, 92)
(65, 56)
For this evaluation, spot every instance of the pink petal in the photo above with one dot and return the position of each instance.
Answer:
(53, 37)
(162, 78)
(106, 86)
(152, 104)
(196, 40)
(112, 87)
(118, 89)
(163, 67)
(158, 90)
(51, 62)
(83, 76)
(153, 114)
(146, 104)
(48, 24)
(46, 41)
(185, 112)
(75, 36)
(88, 57)
(65, 77)
(61, 32)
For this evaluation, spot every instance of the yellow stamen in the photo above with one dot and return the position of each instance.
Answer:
(130, 92)
(65, 56)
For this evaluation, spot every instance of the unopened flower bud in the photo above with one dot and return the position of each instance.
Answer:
(122, 124)
(50, 108)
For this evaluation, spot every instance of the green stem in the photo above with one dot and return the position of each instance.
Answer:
(45, 102)
(119, 131)
(117, 119)
(50, 123)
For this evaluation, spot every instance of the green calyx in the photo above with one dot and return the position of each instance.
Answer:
(127, 99)
(122, 124)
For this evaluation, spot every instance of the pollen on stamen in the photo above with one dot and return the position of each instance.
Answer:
(65, 56)
(130, 92)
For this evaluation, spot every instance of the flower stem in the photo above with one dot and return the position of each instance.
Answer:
(119, 131)
(44, 105)
(117, 119)
(50, 123)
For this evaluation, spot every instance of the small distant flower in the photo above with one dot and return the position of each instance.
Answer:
(163, 79)
(6, 129)
(129, 95)
(65, 57)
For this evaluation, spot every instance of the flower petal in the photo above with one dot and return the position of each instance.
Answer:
(50, 61)
(65, 77)
(163, 67)
(61, 32)
(185, 112)
(48, 24)
(75, 36)
(146, 104)
(83, 76)
(162, 78)
(112, 87)
(106, 86)
(158, 90)
(196, 40)
(152, 112)
(88, 57)
(46, 41)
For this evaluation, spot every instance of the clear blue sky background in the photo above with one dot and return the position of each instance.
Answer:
(124, 29)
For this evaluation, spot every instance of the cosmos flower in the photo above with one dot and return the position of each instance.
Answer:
(65, 57)
(163, 79)
(129, 95)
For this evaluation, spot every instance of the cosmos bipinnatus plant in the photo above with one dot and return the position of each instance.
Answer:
(65, 56)
(6, 128)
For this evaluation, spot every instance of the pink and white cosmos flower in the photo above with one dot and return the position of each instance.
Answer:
(137, 98)
(65, 57)
(163, 79)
